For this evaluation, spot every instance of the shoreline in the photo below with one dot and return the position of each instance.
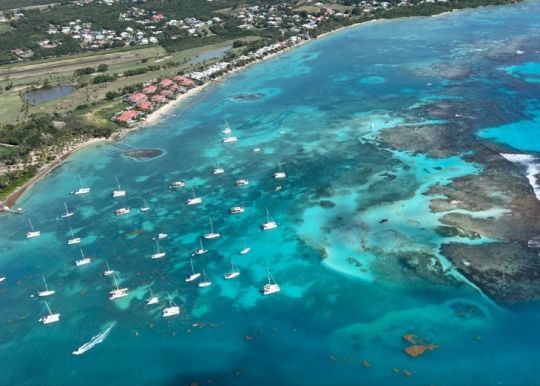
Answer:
(163, 112)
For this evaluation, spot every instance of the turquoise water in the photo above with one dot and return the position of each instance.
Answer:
(346, 297)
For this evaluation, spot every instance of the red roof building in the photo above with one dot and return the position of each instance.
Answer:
(137, 97)
(166, 83)
(149, 89)
(127, 117)
(158, 98)
(183, 80)
(166, 93)
(145, 106)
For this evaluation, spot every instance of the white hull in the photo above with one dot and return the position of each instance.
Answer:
(109, 272)
(210, 236)
(145, 209)
(231, 275)
(270, 289)
(201, 251)
(74, 241)
(279, 175)
(219, 171)
(121, 211)
(46, 293)
(32, 234)
(152, 300)
(194, 201)
(237, 210)
(67, 214)
(203, 284)
(190, 278)
(119, 193)
(229, 140)
(118, 293)
(245, 251)
(81, 262)
(51, 318)
(269, 225)
(80, 191)
(170, 311)
(242, 182)
(162, 236)
(177, 185)
(2, 279)
(158, 255)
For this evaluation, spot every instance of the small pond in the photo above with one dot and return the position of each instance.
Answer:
(41, 96)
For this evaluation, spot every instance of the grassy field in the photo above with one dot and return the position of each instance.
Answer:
(10, 106)
(4, 28)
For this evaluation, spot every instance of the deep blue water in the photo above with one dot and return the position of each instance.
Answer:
(345, 297)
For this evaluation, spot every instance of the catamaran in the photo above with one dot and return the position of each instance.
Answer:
(159, 253)
(234, 272)
(73, 240)
(118, 292)
(242, 182)
(177, 185)
(218, 169)
(51, 318)
(271, 287)
(270, 223)
(145, 207)
(119, 192)
(280, 173)
(237, 209)
(82, 189)
(246, 249)
(205, 282)
(194, 200)
(173, 309)
(201, 250)
(194, 275)
(162, 236)
(211, 235)
(121, 211)
(108, 271)
(67, 213)
(228, 138)
(47, 291)
(152, 299)
(32, 232)
(83, 261)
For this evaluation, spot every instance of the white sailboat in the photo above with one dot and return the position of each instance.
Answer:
(194, 275)
(173, 309)
(228, 138)
(118, 292)
(2, 278)
(51, 318)
(73, 240)
(159, 253)
(177, 185)
(201, 250)
(152, 299)
(83, 261)
(237, 209)
(194, 200)
(271, 287)
(119, 192)
(47, 291)
(67, 213)
(234, 272)
(218, 169)
(145, 206)
(205, 282)
(280, 174)
(108, 271)
(246, 249)
(122, 211)
(82, 189)
(211, 235)
(242, 182)
(270, 223)
(162, 236)
(32, 232)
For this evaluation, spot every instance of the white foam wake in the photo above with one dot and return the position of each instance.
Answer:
(97, 339)
(533, 168)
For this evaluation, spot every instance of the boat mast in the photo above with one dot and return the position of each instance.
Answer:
(192, 269)
(45, 282)
(115, 282)
(49, 308)
(118, 183)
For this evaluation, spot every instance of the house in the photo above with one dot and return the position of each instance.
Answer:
(149, 89)
(128, 117)
(137, 97)
(166, 83)
(145, 106)
(183, 80)
(158, 98)
(167, 93)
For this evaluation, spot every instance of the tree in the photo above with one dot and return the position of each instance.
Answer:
(102, 68)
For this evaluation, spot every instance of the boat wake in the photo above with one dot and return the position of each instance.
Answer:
(97, 339)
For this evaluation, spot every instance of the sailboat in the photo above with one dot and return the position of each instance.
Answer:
(119, 192)
(118, 292)
(73, 240)
(173, 309)
(194, 275)
(246, 249)
(228, 138)
(152, 299)
(122, 211)
(280, 173)
(211, 235)
(162, 236)
(270, 223)
(237, 209)
(51, 318)
(218, 169)
(32, 232)
(145, 207)
(234, 272)
(82, 189)
(271, 287)
(227, 129)
(201, 250)
(159, 253)
(67, 213)
(205, 282)
(242, 182)
(195, 200)
(47, 291)
(83, 261)
(108, 271)
(177, 185)
(2, 278)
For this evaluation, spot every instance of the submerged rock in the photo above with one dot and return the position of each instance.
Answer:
(143, 154)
